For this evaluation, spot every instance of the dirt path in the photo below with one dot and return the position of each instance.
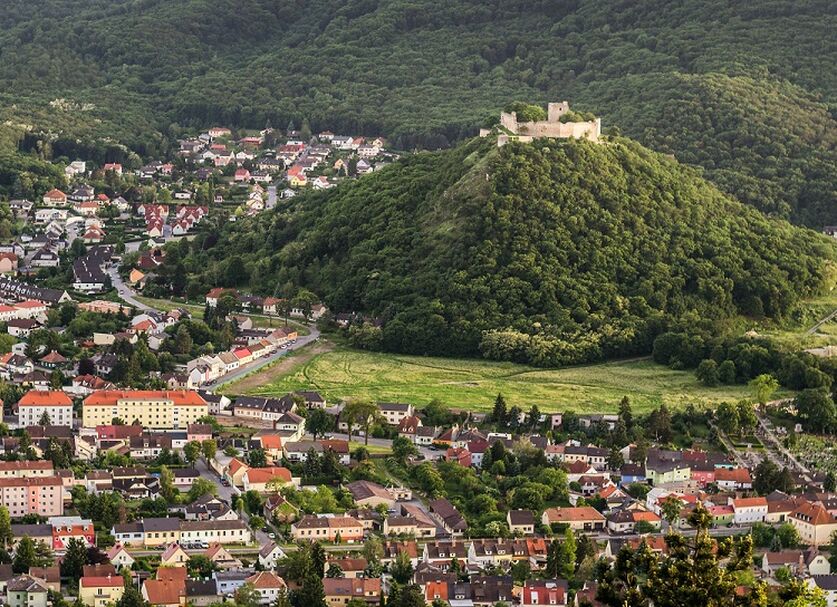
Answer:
(302, 356)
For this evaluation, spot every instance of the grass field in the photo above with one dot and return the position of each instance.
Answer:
(473, 384)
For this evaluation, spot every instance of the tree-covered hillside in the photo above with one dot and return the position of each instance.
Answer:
(745, 90)
(550, 253)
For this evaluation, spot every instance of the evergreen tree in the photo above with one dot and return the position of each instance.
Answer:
(500, 412)
(75, 558)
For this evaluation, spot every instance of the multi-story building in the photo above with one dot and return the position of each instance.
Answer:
(54, 403)
(156, 409)
(26, 469)
(65, 528)
(41, 495)
(394, 413)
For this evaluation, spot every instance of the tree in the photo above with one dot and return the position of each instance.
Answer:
(500, 412)
(406, 596)
(671, 509)
(533, 418)
(6, 535)
(247, 596)
(660, 424)
(401, 568)
(75, 558)
(191, 451)
(45, 420)
(830, 482)
(402, 448)
(131, 598)
(707, 372)
(256, 458)
(29, 553)
(201, 566)
(689, 574)
(310, 594)
(626, 413)
(567, 555)
(763, 387)
(335, 571)
(360, 412)
(209, 448)
(167, 487)
(816, 410)
(727, 372)
(747, 418)
(615, 459)
(521, 571)
(726, 415)
(318, 422)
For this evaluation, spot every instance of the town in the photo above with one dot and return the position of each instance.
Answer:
(131, 475)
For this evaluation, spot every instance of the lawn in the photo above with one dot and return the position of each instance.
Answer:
(473, 384)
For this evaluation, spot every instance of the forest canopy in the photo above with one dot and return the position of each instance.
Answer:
(715, 83)
(552, 253)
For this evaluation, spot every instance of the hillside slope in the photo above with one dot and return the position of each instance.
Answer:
(717, 83)
(592, 249)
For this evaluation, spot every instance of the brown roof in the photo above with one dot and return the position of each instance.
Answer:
(564, 515)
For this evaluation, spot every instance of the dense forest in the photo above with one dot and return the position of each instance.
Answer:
(550, 253)
(745, 90)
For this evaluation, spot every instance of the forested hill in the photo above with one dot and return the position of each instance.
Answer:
(745, 90)
(562, 251)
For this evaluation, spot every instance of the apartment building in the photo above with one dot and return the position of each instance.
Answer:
(41, 495)
(26, 469)
(54, 403)
(155, 409)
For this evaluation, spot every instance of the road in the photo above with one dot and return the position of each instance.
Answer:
(271, 197)
(301, 342)
(227, 493)
(125, 292)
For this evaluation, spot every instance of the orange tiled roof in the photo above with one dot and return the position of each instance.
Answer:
(45, 398)
(179, 397)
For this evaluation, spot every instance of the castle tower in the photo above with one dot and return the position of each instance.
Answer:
(554, 111)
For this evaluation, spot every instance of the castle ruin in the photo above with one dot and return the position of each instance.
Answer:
(526, 132)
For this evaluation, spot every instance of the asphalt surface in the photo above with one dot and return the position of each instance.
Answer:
(301, 342)
(227, 493)
(125, 292)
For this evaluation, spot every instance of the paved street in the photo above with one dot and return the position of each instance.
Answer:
(124, 291)
(227, 493)
(301, 342)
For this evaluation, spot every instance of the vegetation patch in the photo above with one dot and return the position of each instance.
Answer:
(474, 384)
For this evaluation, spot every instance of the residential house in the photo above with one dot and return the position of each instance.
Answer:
(339, 591)
(748, 510)
(521, 522)
(583, 518)
(328, 528)
(26, 591)
(101, 591)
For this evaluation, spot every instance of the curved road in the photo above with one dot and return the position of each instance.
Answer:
(125, 292)
(129, 296)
